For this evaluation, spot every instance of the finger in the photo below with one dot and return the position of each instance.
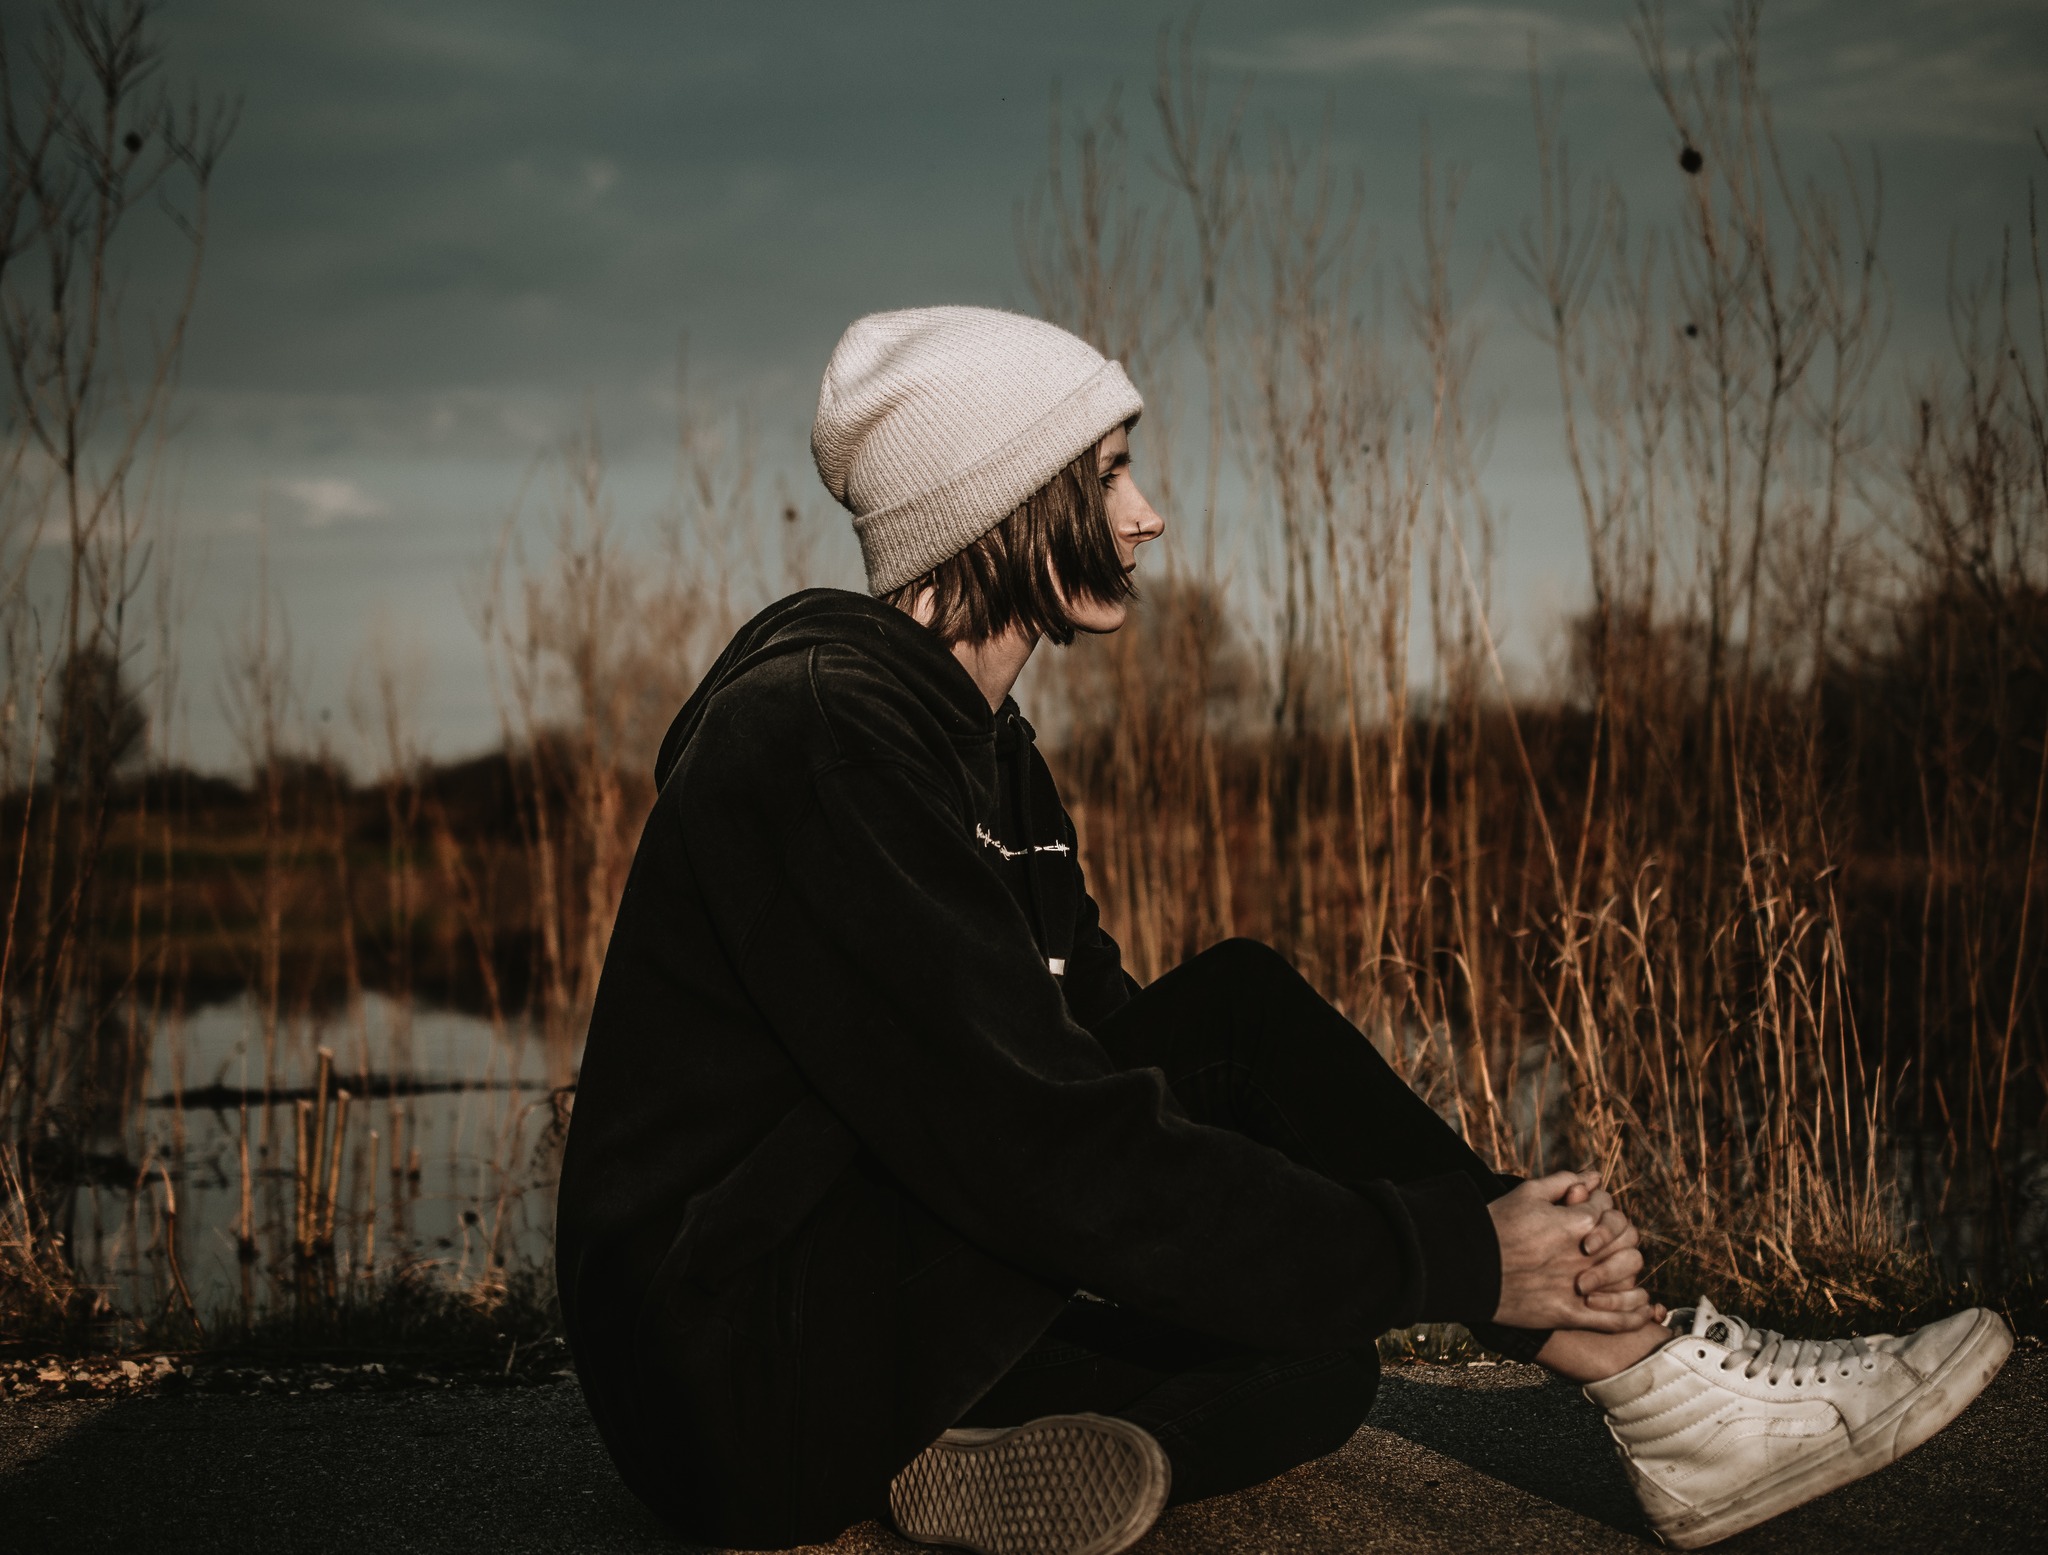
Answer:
(1554, 1187)
(1614, 1230)
(1621, 1285)
(1624, 1257)
(1605, 1230)
(1591, 1177)
(1564, 1240)
(1600, 1321)
(1616, 1272)
(1635, 1299)
(1632, 1299)
(1617, 1284)
(1576, 1194)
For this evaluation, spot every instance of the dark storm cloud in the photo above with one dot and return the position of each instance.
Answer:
(548, 192)
(447, 231)
(434, 204)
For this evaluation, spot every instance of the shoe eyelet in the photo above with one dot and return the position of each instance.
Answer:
(1703, 1355)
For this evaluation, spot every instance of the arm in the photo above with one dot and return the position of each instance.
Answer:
(1096, 984)
(904, 983)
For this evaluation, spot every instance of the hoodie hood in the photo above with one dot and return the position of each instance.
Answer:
(819, 617)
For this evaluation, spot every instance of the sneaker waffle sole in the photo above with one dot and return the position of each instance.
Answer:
(1944, 1395)
(1061, 1485)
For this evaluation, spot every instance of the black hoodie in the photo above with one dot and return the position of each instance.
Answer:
(839, 1115)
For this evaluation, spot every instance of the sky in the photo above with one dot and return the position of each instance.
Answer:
(448, 233)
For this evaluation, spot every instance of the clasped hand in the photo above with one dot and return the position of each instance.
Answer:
(1569, 1258)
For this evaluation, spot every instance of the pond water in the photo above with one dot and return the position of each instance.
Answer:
(237, 1172)
(235, 1177)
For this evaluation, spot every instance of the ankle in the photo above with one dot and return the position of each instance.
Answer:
(1583, 1355)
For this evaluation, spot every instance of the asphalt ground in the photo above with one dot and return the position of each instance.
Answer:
(1460, 1459)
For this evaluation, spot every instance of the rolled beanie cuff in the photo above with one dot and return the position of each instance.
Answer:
(903, 542)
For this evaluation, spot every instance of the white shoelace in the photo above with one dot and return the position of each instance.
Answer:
(1767, 1353)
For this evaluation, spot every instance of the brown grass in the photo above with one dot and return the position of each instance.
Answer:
(1739, 905)
(1742, 910)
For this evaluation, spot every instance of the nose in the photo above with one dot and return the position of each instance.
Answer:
(1148, 525)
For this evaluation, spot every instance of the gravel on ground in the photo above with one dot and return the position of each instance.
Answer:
(1453, 1459)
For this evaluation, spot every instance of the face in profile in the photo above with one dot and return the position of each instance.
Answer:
(1132, 522)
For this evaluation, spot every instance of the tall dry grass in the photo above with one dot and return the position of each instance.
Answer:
(1741, 909)
(1739, 905)
(101, 157)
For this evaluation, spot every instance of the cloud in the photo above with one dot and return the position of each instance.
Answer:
(1955, 71)
(1486, 40)
(1983, 86)
(329, 500)
(500, 44)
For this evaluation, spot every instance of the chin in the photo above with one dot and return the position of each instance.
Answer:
(1101, 622)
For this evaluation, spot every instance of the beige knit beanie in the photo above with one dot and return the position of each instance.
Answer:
(934, 424)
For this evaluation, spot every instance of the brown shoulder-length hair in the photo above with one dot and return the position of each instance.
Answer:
(1006, 578)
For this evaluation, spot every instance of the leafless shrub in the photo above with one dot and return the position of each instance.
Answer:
(95, 149)
(1668, 916)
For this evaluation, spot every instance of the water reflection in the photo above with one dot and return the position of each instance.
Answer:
(239, 1177)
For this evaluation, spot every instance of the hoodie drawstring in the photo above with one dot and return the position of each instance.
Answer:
(1021, 776)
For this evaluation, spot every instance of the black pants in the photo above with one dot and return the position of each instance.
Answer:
(1245, 1044)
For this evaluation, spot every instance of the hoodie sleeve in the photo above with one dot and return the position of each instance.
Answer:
(903, 981)
(1096, 984)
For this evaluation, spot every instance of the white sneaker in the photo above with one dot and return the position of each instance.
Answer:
(1060, 1485)
(1727, 1425)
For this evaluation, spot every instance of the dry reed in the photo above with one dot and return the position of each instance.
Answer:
(1660, 917)
(1739, 907)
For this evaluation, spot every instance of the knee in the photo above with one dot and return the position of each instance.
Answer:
(1259, 982)
(1249, 963)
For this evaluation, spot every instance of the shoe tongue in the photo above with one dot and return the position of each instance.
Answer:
(1718, 1327)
